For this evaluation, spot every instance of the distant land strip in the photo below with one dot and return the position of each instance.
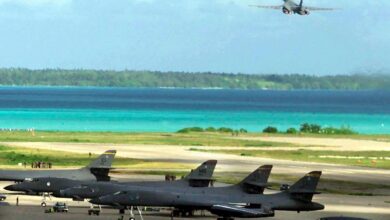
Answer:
(156, 79)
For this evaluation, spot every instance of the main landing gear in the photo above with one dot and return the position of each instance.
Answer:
(225, 218)
(131, 209)
(44, 196)
(182, 213)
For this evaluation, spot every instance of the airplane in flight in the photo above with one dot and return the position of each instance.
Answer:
(96, 170)
(225, 202)
(290, 7)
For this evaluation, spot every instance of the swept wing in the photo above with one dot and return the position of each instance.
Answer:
(319, 9)
(277, 7)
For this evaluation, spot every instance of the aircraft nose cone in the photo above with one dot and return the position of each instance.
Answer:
(318, 206)
(10, 188)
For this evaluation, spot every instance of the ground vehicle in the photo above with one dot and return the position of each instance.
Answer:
(284, 187)
(60, 207)
(94, 210)
(3, 197)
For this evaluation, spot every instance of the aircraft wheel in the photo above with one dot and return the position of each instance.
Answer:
(175, 213)
(43, 204)
(131, 218)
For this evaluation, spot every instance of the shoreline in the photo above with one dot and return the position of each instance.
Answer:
(4, 86)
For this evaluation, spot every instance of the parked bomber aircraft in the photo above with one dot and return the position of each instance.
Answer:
(290, 7)
(80, 190)
(96, 170)
(254, 183)
(200, 177)
(224, 202)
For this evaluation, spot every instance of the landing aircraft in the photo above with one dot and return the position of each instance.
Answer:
(224, 202)
(290, 7)
(96, 170)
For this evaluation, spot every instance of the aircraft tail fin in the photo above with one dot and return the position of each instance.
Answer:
(101, 166)
(202, 175)
(104, 161)
(305, 188)
(257, 181)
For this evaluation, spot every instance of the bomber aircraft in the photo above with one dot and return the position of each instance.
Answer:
(96, 170)
(225, 202)
(199, 177)
(254, 183)
(79, 190)
(290, 7)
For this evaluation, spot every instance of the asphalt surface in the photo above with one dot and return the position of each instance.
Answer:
(80, 213)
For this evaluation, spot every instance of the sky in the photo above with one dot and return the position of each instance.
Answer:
(195, 36)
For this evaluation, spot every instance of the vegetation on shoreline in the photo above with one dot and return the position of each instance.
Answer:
(212, 129)
(307, 128)
(150, 79)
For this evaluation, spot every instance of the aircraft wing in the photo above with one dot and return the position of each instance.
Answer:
(320, 9)
(240, 211)
(277, 7)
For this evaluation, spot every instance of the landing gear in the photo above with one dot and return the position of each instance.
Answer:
(182, 213)
(122, 212)
(44, 196)
(225, 218)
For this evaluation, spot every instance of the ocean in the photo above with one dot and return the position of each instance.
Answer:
(168, 110)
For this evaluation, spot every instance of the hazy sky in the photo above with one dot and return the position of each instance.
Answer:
(195, 35)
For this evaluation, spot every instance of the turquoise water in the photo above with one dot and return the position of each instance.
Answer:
(138, 120)
(150, 110)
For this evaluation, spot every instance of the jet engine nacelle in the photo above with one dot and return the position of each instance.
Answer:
(304, 12)
(286, 11)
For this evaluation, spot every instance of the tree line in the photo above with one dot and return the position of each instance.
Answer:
(155, 79)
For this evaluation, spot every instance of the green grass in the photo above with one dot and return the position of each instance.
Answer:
(346, 157)
(189, 139)
(11, 156)
(192, 138)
